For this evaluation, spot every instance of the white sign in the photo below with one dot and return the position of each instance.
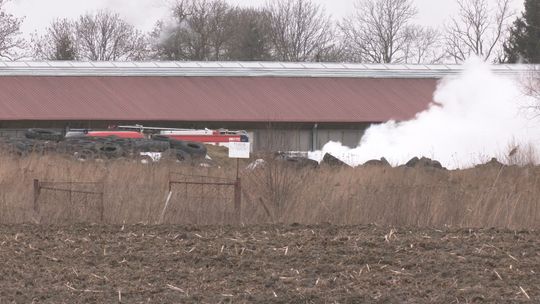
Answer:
(239, 149)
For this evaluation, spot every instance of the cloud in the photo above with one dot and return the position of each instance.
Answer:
(39, 13)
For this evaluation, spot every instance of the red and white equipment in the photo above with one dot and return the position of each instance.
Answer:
(119, 134)
(216, 137)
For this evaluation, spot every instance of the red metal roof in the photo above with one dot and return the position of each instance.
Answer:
(213, 99)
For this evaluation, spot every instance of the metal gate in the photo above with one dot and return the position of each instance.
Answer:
(203, 191)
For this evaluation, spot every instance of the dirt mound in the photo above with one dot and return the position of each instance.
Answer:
(333, 161)
(377, 163)
(493, 163)
(300, 162)
(423, 162)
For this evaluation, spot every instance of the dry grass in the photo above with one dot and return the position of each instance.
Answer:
(135, 193)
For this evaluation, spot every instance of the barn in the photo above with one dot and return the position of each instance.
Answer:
(283, 106)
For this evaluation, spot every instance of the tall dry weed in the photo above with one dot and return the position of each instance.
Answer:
(490, 196)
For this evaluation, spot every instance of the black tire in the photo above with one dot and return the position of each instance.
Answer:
(74, 145)
(160, 137)
(43, 134)
(183, 156)
(195, 149)
(151, 146)
(301, 162)
(123, 142)
(62, 148)
(111, 150)
(173, 143)
(22, 148)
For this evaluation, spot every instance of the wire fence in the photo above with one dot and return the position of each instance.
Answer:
(69, 201)
(482, 197)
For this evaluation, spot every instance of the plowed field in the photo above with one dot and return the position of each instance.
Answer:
(266, 264)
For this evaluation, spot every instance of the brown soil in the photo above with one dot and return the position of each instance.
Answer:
(266, 264)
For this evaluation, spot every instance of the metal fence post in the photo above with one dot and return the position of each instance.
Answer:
(102, 207)
(37, 191)
(238, 200)
(70, 203)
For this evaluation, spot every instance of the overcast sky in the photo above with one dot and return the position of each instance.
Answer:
(144, 13)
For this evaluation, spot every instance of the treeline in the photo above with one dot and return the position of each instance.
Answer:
(377, 31)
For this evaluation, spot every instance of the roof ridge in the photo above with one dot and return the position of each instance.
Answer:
(241, 69)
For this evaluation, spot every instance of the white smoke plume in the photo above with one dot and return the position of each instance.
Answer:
(474, 116)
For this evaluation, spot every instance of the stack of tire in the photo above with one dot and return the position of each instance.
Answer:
(44, 134)
(85, 148)
(183, 150)
(36, 141)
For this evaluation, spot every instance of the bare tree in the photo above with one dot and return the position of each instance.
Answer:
(478, 29)
(10, 41)
(200, 31)
(334, 52)
(299, 29)
(423, 45)
(220, 28)
(171, 40)
(104, 36)
(530, 85)
(288, 30)
(379, 30)
(58, 43)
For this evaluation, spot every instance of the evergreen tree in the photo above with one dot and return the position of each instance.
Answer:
(524, 41)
